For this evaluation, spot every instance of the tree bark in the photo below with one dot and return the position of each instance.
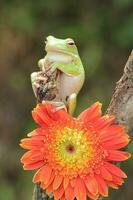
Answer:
(121, 105)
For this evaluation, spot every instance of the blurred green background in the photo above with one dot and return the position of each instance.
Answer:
(103, 32)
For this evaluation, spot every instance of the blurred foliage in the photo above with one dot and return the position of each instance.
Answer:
(103, 32)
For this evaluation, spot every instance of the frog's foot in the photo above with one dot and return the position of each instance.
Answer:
(57, 105)
(36, 78)
(34, 83)
(71, 103)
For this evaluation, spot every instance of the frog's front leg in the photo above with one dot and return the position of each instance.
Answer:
(36, 77)
(44, 87)
(71, 103)
(46, 66)
(41, 64)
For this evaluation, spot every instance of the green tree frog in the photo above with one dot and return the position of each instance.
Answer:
(62, 55)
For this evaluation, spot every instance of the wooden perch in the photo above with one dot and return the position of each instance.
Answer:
(121, 106)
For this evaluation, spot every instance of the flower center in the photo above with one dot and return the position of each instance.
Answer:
(75, 149)
(70, 148)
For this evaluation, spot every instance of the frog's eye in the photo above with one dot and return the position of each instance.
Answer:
(70, 43)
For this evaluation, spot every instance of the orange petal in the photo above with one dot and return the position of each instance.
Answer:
(106, 175)
(25, 158)
(113, 144)
(91, 185)
(92, 113)
(112, 184)
(73, 182)
(45, 174)
(38, 119)
(118, 146)
(63, 197)
(59, 192)
(31, 157)
(41, 117)
(115, 182)
(51, 179)
(33, 166)
(49, 189)
(36, 177)
(37, 132)
(113, 169)
(102, 186)
(69, 193)
(91, 196)
(80, 190)
(31, 143)
(57, 181)
(118, 180)
(116, 155)
(57, 115)
(44, 114)
(65, 182)
(43, 185)
(104, 122)
(111, 132)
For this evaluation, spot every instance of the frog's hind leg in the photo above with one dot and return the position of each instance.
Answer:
(71, 103)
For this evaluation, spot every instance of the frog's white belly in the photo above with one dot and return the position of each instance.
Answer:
(70, 84)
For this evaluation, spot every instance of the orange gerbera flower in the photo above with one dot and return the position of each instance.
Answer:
(75, 156)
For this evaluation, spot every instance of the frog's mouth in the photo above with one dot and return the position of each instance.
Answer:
(51, 49)
(56, 55)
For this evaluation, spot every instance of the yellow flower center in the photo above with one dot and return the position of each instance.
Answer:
(74, 149)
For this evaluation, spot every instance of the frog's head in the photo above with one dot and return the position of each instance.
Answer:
(63, 46)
